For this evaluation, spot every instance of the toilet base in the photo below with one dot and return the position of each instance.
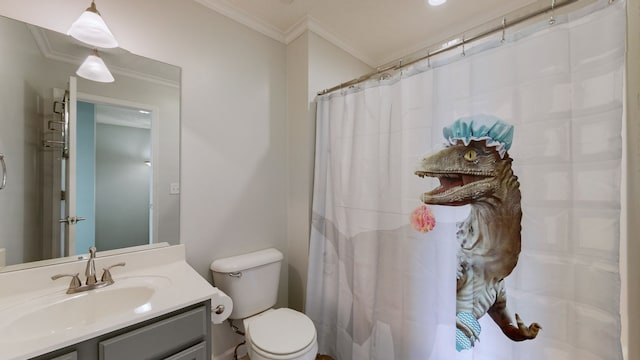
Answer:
(318, 357)
(309, 355)
(272, 317)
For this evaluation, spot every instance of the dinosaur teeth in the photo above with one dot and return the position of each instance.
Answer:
(450, 182)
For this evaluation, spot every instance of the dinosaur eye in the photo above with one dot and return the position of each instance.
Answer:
(471, 155)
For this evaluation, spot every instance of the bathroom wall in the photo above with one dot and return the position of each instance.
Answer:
(299, 153)
(233, 114)
(233, 133)
(313, 64)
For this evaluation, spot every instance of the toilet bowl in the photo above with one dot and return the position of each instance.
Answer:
(251, 280)
(280, 334)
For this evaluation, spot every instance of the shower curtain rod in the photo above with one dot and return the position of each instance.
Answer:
(461, 42)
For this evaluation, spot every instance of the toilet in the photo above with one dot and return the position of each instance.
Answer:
(251, 280)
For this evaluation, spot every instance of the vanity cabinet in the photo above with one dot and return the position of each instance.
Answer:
(180, 335)
(70, 356)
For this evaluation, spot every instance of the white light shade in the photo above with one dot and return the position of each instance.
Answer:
(437, 2)
(92, 30)
(93, 68)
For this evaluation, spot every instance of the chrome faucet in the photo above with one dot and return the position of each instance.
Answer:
(90, 272)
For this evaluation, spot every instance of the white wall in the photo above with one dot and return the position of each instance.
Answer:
(233, 136)
(299, 150)
(330, 66)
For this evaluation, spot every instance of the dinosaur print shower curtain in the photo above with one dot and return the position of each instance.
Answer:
(469, 207)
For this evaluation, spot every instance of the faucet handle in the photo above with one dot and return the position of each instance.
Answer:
(75, 280)
(106, 275)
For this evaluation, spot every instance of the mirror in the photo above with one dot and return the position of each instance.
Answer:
(130, 149)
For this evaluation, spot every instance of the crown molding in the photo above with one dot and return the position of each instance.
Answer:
(306, 23)
(42, 41)
(225, 8)
(296, 30)
(318, 29)
(144, 76)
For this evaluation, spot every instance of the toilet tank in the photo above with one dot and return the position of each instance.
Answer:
(251, 280)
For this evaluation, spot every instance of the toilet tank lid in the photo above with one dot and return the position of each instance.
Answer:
(246, 261)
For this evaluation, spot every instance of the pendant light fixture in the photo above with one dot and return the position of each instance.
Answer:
(93, 68)
(437, 2)
(92, 30)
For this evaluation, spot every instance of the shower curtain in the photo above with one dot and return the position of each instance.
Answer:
(414, 251)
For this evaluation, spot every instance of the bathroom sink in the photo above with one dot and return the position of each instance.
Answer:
(55, 313)
(38, 317)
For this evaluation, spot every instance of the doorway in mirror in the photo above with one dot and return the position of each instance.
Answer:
(114, 176)
(103, 195)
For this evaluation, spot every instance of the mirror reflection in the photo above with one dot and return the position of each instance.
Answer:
(113, 176)
(109, 152)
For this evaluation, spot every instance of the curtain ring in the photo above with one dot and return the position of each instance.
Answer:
(504, 29)
(428, 58)
(552, 19)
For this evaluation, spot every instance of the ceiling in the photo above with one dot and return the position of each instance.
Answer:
(374, 31)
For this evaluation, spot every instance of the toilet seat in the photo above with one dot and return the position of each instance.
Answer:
(281, 334)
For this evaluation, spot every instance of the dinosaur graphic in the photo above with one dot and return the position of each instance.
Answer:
(475, 169)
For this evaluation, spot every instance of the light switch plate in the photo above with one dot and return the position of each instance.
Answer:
(174, 188)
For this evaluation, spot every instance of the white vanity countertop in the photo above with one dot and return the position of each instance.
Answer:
(156, 281)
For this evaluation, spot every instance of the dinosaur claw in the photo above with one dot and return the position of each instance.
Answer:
(528, 332)
(519, 321)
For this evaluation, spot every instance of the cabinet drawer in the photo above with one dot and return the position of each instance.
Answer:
(196, 352)
(159, 339)
(69, 356)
